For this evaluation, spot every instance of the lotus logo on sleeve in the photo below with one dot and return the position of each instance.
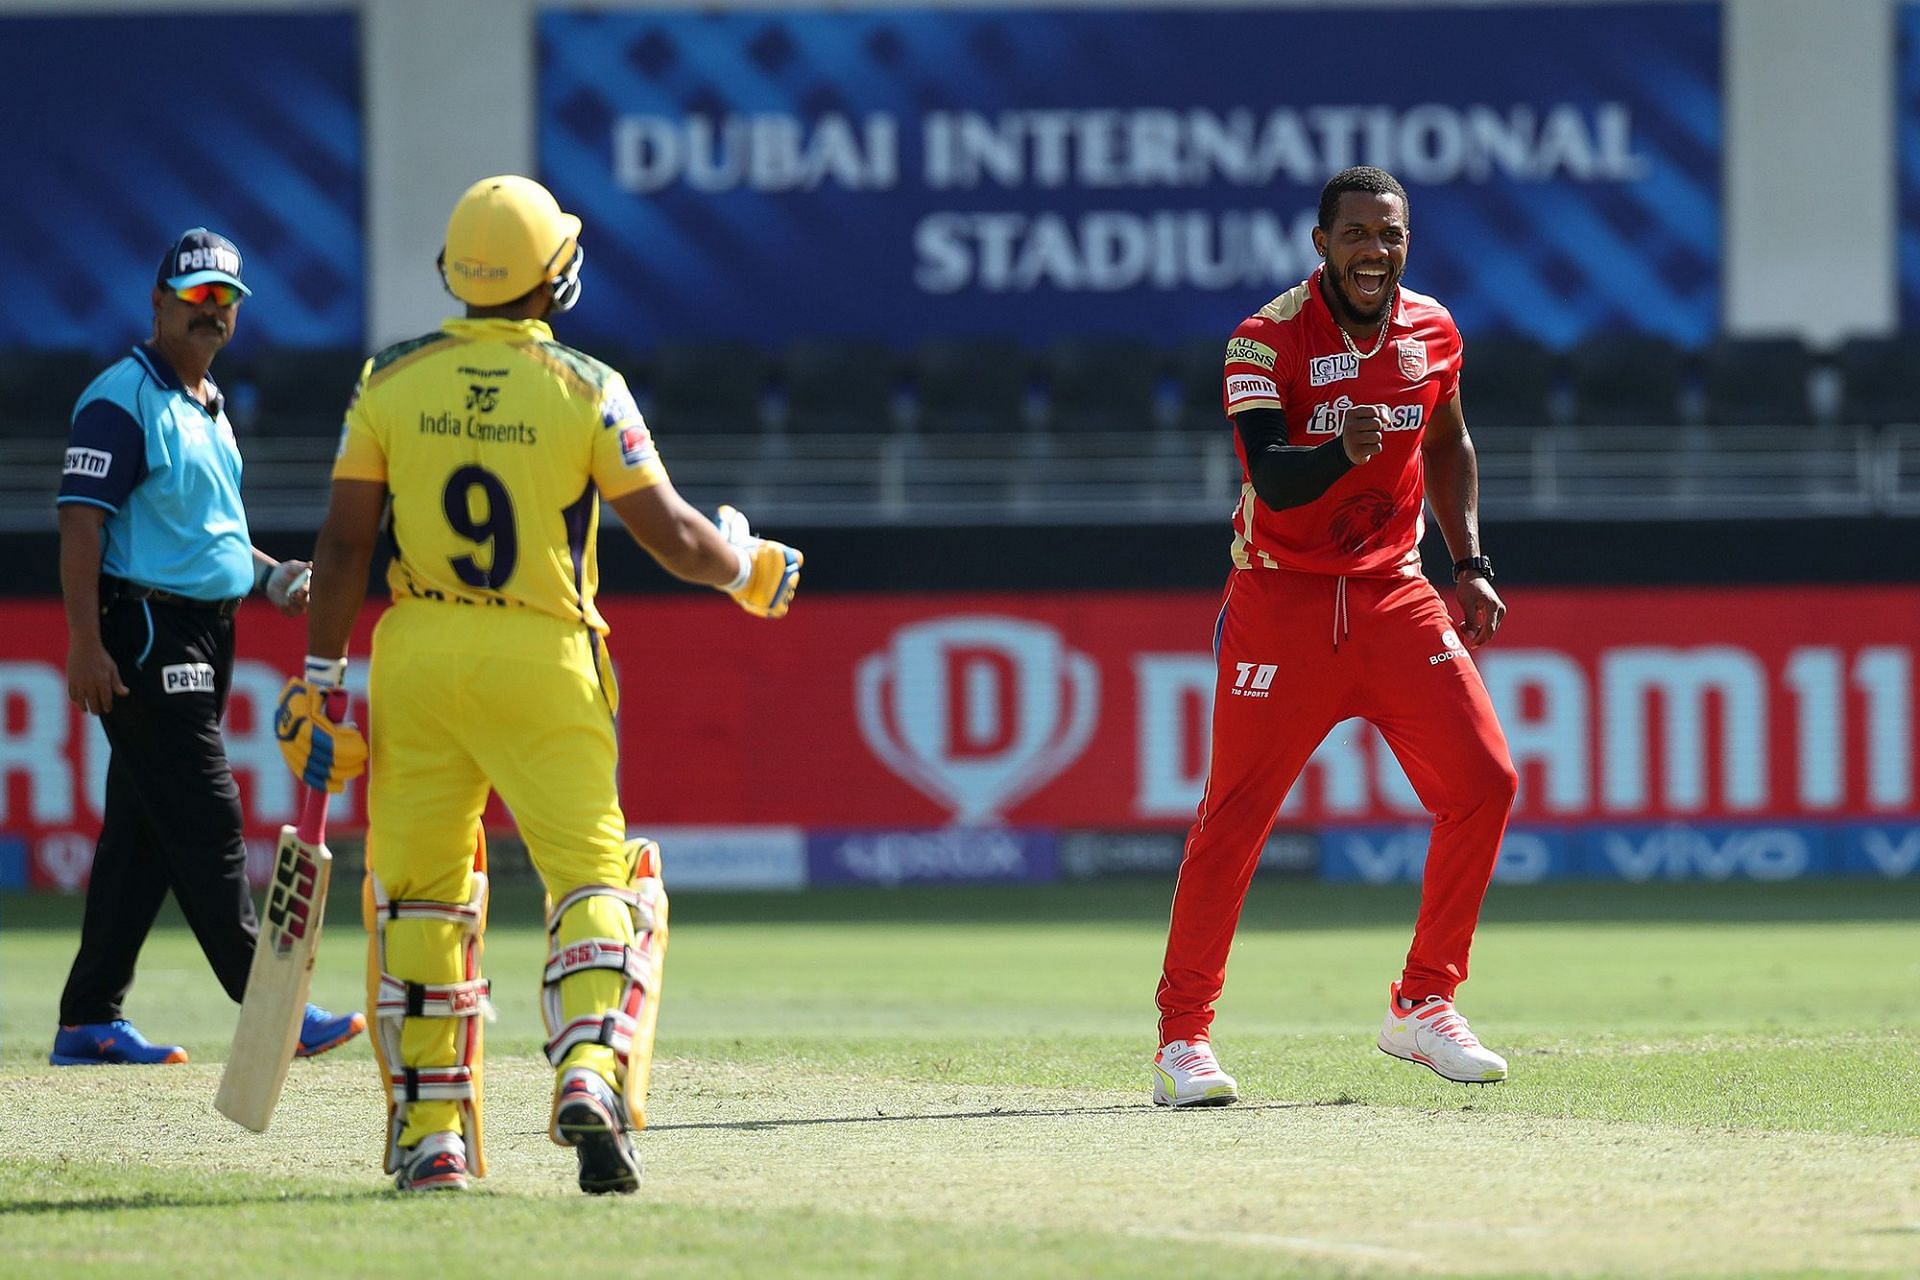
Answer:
(977, 712)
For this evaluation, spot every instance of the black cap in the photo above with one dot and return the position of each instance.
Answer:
(202, 257)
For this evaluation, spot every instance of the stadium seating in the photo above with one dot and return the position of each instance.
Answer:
(840, 386)
(1195, 367)
(1507, 381)
(1627, 380)
(1880, 381)
(38, 389)
(970, 386)
(704, 388)
(980, 424)
(1101, 384)
(295, 391)
(1757, 382)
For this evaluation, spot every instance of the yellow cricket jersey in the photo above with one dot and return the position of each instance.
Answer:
(497, 444)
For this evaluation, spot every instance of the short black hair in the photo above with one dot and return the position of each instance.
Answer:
(1361, 177)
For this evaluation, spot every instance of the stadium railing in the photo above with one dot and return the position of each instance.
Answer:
(1026, 451)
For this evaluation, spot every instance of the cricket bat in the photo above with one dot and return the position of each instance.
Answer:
(282, 973)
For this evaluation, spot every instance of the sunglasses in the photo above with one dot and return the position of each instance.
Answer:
(223, 295)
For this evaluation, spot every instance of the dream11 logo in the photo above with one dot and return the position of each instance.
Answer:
(977, 712)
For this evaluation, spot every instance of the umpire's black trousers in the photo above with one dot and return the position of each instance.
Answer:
(172, 811)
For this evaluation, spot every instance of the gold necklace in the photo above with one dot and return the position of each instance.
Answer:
(1378, 342)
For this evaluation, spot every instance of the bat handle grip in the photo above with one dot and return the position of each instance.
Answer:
(312, 827)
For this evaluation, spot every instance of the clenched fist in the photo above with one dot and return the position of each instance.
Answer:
(1363, 432)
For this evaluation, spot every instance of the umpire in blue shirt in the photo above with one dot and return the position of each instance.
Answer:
(155, 559)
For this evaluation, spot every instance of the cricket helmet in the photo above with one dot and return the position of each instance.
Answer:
(506, 238)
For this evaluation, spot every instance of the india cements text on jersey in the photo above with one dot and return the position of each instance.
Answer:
(497, 443)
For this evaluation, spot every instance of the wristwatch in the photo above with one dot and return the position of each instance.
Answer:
(1482, 565)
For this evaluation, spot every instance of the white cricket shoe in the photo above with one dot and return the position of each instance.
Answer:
(1185, 1074)
(1435, 1034)
(438, 1163)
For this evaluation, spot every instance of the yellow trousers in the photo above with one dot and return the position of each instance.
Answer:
(464, 700)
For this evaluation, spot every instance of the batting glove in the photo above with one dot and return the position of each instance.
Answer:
(769, 571)
(320, 752)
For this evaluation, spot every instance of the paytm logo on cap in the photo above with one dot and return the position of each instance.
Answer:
(207, 258)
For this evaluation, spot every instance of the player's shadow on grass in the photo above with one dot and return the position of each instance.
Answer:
(994, 1113)
(186, 1200)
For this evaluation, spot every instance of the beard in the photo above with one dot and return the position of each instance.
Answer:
(1340, 289)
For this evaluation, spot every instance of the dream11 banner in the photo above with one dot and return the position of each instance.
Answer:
(900, 174)
(1658, 733)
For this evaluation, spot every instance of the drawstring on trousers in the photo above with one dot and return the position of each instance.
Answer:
(1340, 622)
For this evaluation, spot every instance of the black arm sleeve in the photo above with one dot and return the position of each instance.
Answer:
(1287, 475)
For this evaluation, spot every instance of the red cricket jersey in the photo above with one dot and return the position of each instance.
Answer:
(1289, 356)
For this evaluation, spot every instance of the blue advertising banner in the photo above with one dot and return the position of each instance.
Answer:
(124, 131)
(900, 174)
(1907, 141)
(952, 855)
(13, 863)
(1786, 851)
(1641, 853)
(1392, 855)
(1888, 850)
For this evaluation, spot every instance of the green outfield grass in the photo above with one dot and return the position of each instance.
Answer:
(1707, 1081)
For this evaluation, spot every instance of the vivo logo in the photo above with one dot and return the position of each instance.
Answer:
(1892, 858)
(976, 711)
(1390, 857)
(1687, 853)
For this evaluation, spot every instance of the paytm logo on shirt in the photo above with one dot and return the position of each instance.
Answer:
(91, 463)
(187, 677)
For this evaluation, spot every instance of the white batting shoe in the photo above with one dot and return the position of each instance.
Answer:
(1185, 1074)
(438, 1163)
(1435, 1034)
(591, 1118)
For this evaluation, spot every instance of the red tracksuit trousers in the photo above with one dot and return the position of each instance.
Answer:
(1298, 653)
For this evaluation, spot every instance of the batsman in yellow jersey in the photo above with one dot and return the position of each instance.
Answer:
(494, 446)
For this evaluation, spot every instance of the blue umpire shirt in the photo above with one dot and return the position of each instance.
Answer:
(167, 470)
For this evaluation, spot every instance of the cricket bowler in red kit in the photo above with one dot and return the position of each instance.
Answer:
(1345, 398)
